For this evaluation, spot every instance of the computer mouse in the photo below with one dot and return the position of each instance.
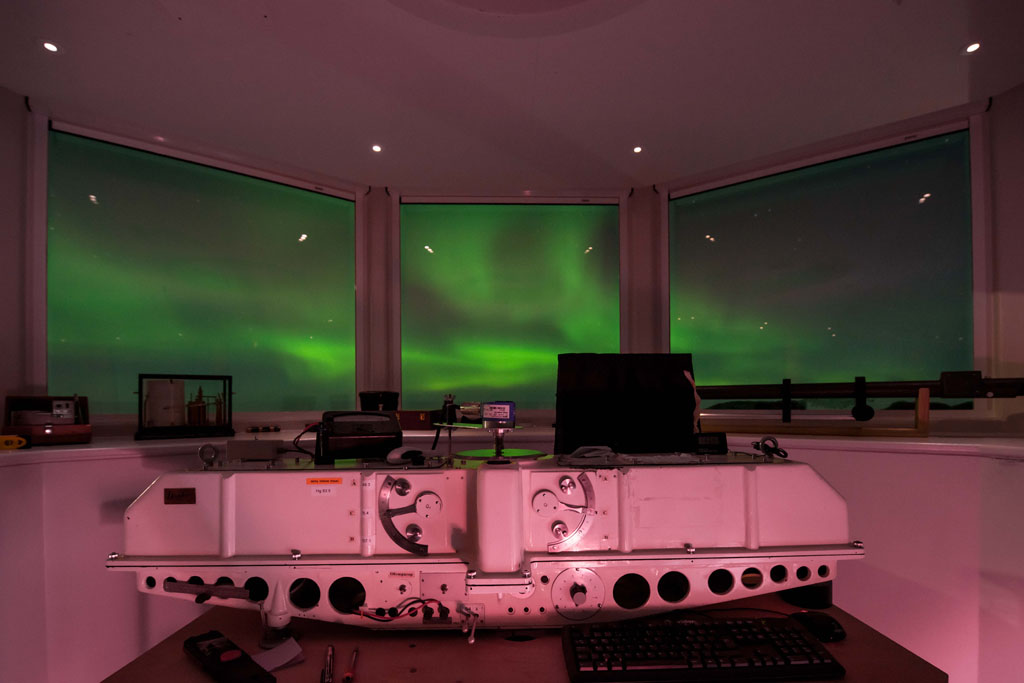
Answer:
(404, 455)
(822, 626)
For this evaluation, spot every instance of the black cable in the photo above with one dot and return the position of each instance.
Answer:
(295, 442)
(769, 446)
(405, 608)
(447, 417)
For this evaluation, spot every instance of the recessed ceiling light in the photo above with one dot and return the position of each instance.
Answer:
(376, 148)
(51, 47)
(973, 47)
(637, 149)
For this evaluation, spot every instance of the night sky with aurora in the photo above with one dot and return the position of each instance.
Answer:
(855, 267)
(491, 294)
(156, 265)
(860, 266)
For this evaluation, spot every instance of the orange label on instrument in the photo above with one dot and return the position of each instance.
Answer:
(315, 481)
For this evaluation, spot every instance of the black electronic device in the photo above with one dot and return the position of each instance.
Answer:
(362, 435)
(225, 661)
(45, 420)
(628, 402)
(711, 443)
(822, 626)
(677, 648)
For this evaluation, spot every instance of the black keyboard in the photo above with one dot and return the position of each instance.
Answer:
(685, 649)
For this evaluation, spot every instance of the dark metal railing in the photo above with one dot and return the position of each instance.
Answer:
(963, 384)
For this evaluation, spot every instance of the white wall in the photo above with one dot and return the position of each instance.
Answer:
(943, 573)
(66, 617)
(13, 132)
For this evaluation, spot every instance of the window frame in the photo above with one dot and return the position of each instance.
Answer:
(971, 118)
(377, 235)
(36, 343)
(394, 349)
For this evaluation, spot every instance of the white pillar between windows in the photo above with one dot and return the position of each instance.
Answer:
(378, 318)
(644, 273)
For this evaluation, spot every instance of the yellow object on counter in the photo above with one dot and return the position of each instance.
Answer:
(10, 442)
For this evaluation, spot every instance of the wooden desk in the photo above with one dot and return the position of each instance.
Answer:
(534, 656)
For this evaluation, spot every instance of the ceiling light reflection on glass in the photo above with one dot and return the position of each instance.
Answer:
(637, 149)
(51, 47)
(376, 148)
(303, 237)
(972, 48)
(427, 247)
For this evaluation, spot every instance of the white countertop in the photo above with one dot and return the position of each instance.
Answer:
(114, 447)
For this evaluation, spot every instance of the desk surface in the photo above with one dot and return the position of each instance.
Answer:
(497, 656)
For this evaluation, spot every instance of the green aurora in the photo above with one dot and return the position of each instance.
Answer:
(501, 291)
(159, 265)
(163, 266)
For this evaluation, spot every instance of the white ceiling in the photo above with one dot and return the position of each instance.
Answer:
(478, 96)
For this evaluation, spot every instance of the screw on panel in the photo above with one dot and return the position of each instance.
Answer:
(689, 548)
(296, 554)
(113, 556)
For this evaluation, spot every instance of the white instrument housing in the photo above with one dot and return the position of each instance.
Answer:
(505, 545)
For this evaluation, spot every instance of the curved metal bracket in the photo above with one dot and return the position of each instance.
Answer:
(386, 514)
(588, 512)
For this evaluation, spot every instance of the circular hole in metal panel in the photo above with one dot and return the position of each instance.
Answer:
(346, 595)
(752, 578)
(304, 593)
(631, 591)
(673, 587)
(721, 581)
(258, 589)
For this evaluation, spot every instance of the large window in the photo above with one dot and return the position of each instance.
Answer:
(491, 294)
(860, 266)
(157, 265)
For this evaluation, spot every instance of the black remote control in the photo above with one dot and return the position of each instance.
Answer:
(224, 660)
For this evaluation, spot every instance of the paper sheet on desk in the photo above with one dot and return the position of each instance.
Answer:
(288, 652)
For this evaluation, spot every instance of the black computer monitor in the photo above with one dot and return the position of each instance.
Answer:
(629, 402)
